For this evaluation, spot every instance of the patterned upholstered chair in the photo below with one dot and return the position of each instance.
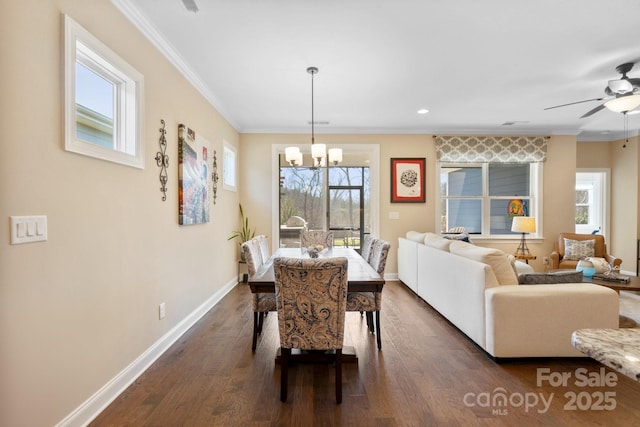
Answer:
(365, 250)
(261, 303)
(371, 302)
(311, 297)
(264, 247)
(316, 237)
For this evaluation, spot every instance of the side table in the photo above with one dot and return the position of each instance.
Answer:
(245, 276)
(526, 258)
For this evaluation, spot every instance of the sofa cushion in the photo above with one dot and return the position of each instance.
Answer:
(435, 241)
(415, 236)
(578, 249)
(563, 276)
(495, 258)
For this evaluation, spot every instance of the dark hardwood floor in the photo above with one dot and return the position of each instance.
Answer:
(427, 374)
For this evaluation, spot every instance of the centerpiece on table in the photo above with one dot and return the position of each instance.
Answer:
(314, 250)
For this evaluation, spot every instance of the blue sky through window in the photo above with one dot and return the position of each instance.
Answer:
(93, 91)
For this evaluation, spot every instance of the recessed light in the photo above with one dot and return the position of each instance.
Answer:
(423, 111)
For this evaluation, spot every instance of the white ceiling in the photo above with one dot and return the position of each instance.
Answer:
(474, 64)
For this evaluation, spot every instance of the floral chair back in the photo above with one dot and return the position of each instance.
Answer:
(311, 299)
(316, 237)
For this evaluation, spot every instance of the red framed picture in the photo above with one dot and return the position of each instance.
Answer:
(408, 180)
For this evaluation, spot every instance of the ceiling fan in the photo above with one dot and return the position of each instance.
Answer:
(621, 94)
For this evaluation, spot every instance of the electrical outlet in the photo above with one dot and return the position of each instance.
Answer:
(162, 311)
(545, 260)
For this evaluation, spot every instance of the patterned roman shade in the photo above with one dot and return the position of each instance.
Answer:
(491, 149)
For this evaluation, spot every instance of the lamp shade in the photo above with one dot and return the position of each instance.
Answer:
(623, 103)
(523, 224)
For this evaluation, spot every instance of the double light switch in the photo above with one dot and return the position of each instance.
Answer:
(28, 229)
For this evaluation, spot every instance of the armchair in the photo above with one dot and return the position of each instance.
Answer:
(557, 258)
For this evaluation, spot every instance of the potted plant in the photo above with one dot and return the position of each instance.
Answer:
(243, 234)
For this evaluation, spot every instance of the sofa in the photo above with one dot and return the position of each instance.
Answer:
(477, 289)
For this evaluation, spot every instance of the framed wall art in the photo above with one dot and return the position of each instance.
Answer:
(194, 177)
(408, 180)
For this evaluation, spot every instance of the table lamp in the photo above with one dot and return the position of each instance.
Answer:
(523, 224)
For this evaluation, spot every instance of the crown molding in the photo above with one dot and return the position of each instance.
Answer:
(147, 29)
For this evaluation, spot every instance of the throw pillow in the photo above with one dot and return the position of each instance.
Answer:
(415, 236)
(578, 249)
(563, 276)
(495, 258)
(437, 242)
(601, 264)
(457, 236)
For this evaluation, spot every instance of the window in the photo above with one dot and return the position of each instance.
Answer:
(343, 198)
(591, 201)
(228, 167)
(480, 197)
(103, 100)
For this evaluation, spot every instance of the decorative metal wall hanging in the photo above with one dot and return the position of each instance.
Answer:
(162, 159)
(214, 176)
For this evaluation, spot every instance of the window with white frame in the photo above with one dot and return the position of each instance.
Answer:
(591, 201)
(229, 167)
(482, 197)
(103, 100)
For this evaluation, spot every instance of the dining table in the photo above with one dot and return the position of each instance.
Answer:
(361, 277)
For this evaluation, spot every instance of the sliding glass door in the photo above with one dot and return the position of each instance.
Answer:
(334, 198)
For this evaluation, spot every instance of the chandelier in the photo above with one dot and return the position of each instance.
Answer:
(293, 155)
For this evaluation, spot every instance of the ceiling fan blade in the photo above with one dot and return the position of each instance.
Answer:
(593, 111)
(573, 103)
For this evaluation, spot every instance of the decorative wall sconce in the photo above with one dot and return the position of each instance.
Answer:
(162, 159)
(214, 176)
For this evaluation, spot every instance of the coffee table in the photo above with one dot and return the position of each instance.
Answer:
(633, 285)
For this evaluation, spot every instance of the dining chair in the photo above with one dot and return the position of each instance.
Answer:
(316, 237)
(365, 250)
(371, 302)
(265, 253)
(311, 298)
(262, 303)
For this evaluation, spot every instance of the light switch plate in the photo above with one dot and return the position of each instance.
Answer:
(28, 229)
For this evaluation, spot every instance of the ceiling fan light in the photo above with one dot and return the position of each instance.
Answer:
(620, 86)
(623, 103)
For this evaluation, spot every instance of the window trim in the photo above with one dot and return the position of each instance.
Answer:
(128, 128)
(535, 208)
(373, 151)
(229, 166)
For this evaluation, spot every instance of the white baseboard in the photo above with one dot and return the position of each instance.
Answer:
(93, 406)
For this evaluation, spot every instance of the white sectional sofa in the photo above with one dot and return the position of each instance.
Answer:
(477, 290)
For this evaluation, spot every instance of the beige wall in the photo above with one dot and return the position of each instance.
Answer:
(256, 188)
(624, 204)
(558, 191)
(78, 309)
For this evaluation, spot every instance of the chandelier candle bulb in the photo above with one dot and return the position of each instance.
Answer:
(335, 155)
(291, 153)
(318, 150)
